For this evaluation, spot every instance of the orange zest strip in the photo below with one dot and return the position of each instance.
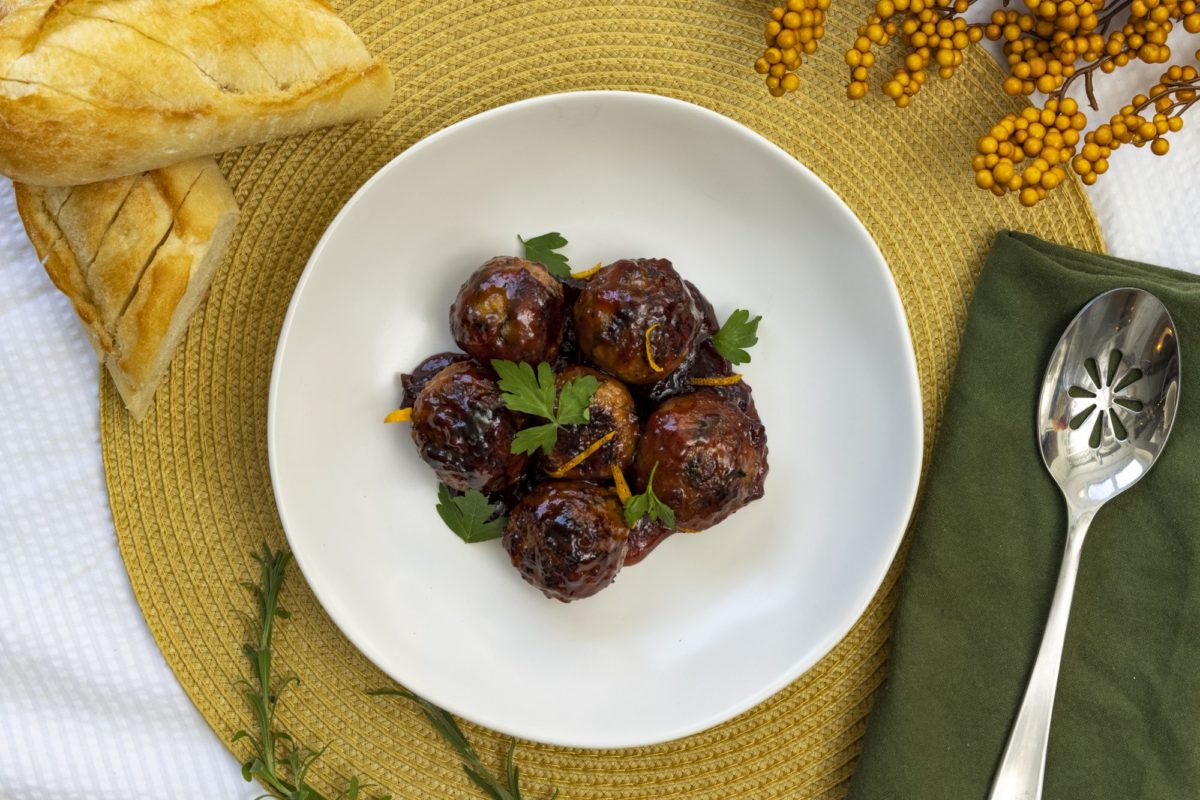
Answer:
(649, 355)
(687, 530)
(728, 380)
(583, 275)
(622, 487)
(584, 456)
(399, 415)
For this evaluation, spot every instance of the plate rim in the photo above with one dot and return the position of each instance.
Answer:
(912, 388)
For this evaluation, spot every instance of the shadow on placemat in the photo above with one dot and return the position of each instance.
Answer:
(190, 491)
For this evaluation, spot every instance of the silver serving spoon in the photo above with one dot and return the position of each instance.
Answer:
(1107, 405)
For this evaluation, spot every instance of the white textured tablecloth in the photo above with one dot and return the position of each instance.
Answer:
(88, 707)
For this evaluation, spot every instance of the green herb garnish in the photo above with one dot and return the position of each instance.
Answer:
(528, 393)
(282, 765)
(542, 250)
(639, 505)
(469, 515)
(738, 333)
(276, 761)
(443, 723)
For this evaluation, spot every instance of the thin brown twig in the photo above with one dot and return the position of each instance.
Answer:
(1090, 89)
(1086, 73)
(1172, 88)
(950, 12)
(1110, 14)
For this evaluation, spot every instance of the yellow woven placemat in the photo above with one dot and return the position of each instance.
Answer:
(190, 491)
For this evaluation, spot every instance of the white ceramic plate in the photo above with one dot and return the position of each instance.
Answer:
(708, 625)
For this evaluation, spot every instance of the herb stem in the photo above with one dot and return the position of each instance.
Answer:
(272, 577)
(267, 764)
(507, 789)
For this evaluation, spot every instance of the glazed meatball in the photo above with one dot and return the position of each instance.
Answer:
(611, 410)
(622, 302)
(711, 456)
(462, 429)
(644, 537)
(505, 500)
(567, 539)
(709, 325)
(509, 308)
(707, 363)
(413, 382)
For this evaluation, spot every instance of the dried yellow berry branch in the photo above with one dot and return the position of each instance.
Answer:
(934, 33)
(1049, 46)
(792, 33)
(1047, 137)
(1176, 91)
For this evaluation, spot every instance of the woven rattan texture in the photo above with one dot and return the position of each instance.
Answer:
(190, 489)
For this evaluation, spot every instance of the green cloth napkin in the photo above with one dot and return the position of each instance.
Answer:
(986, 547)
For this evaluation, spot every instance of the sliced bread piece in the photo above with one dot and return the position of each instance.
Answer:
(136, 257)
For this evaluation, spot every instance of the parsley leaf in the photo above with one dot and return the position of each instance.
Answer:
(469, 515)
(575, 400)
(525, 392)
(542, 250)
(528, 440)
(738, 333)
(533, 393)
(639, 505)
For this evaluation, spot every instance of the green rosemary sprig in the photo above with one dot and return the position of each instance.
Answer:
(277, 761)
(494, 788)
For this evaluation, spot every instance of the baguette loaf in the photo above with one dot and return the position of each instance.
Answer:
(136, 256)
(91, 90)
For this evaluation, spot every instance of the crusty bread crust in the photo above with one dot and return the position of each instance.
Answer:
(39, 208)
(136, 258)
(91, 90)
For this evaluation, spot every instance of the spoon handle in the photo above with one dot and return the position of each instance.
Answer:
(1021, 770)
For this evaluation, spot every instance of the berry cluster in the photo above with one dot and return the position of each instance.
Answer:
(1045, 137)
(935, 35)
(1175, 92)
(1057, 43)
(1043, 47)
(1049, 45)
(792, 33)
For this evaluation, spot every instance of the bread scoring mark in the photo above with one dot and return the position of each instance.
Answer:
(154, 252)
(167, 45)
(34, 36)
(64, 272)
(331, 83)
(66, 198)
(42, 194)
(248, 47)
(37, 196)
(107, 65)
(145, 336)
(290, 35)
(57, 90)
(87, 270)
(279, 86)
